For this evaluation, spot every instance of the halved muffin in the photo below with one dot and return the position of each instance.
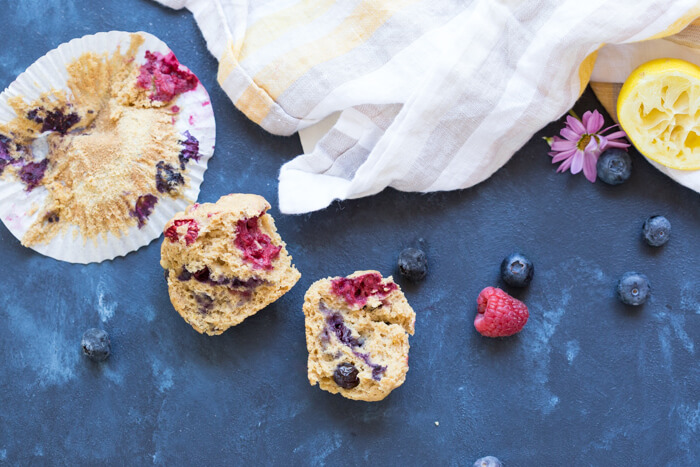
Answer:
(225, 262)
(357, 331)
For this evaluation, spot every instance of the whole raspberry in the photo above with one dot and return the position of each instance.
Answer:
(499, 314)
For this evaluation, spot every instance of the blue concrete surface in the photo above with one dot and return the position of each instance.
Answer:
(587, 382)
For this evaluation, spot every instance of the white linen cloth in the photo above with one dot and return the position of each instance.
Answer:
(432, 94)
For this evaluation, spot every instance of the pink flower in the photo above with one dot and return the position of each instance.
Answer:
(583, 142)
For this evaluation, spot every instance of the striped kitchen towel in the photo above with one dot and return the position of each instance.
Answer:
(431, 94)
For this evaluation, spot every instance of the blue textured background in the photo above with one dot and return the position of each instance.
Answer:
(587, 382)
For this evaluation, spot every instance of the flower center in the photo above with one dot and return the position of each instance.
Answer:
(585, 139)
(583, 142)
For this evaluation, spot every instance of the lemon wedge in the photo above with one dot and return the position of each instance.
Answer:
(659, 109)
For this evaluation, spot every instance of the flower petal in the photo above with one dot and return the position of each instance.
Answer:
(617, 134)
(563, 155)
(563, 145)
(589, 168)
(594, 122)
(564, 166)
(603, 143)
(617, 144)
(570, 134)
(609, 128)
(575, 125)
(586, 118)
(577, 162)
(594, 147)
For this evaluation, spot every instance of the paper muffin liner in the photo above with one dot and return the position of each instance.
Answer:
(18, 206)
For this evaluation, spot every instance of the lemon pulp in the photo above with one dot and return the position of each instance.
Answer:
(659, 109)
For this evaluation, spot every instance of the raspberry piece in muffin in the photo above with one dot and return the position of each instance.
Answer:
(219, 272)
(357, 331)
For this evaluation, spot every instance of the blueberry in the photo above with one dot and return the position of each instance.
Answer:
(336, 325)
(96, 344)
(202, 275)
(345, 376)
(59, 120)
(32, 173)
(190, 150)
(53, 120)
(205, 302)
(5, 157)
(168, 178)
(517, 270)
(143, 208)
(633, 288)
(614, 166)
(184, 275)
(488, 461)
(413, 264)
(656, 230)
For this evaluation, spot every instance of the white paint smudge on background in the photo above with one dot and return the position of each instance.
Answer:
(105, 308)
(160, 434)
(539, 346)
(551, 308)
(111, 374)
(149, 313)
(317, 450)
(606, 441)
(553, 402)
(40, 348)
(689, 418)
(163, 376)
(690, 298)
(678, 323)
(665, 344)
(3, 454)
(572, 350)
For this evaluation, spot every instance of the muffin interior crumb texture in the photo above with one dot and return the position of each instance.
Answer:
(106, 150)
(225, 261)
(357, 331)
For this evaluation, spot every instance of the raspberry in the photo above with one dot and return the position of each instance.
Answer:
(356, 290)
(257, 247)
(163, 75)
(190, 236)
(499, 314)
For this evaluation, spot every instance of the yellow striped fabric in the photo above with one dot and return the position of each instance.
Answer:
(426, 95)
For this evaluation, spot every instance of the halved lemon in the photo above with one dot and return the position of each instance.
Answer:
(659, 109)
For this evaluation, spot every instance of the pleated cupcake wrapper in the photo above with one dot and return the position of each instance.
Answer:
(49, 72)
